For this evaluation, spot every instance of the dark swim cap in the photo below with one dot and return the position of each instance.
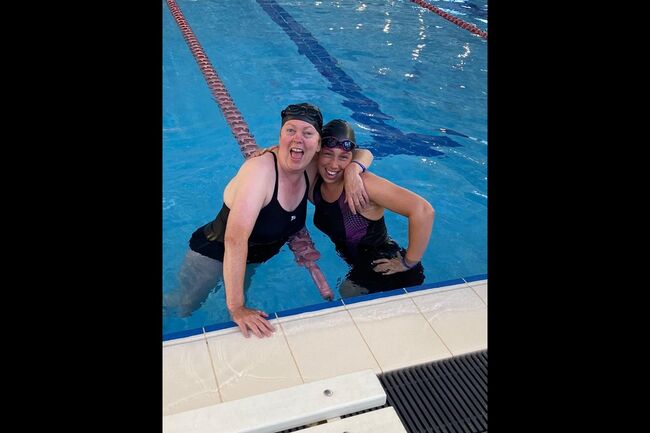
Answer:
(306, 112)
(339, 129)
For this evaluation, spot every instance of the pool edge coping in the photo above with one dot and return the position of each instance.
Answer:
(177, 335)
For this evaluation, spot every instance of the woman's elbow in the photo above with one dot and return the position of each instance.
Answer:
(427, 211)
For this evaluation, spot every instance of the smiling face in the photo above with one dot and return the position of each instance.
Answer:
(299, 141)
(331, 163)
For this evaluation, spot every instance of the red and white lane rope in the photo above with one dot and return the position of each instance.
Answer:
(467, 26)
(238, 125)
(301, 243)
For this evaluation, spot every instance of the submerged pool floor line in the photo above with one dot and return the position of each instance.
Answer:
(387, 140)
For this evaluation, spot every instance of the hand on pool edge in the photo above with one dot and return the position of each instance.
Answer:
(247, 318)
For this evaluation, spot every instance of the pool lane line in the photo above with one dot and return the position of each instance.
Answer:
(387, 140)
(449, 17)
(300, 243)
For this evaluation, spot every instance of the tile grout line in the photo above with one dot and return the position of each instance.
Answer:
(477, 294)
(286, 340)
(363, 337)
(431, 326)
(214, 372)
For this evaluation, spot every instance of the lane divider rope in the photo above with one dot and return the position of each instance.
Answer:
(467, 26)
(238, 125)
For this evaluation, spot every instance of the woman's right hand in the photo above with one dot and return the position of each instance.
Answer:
(391, 266)
(247, 318)
(262, 151)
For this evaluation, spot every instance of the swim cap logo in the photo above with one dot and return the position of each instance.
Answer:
(293, 217)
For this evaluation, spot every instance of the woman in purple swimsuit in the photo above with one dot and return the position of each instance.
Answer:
(377, 262)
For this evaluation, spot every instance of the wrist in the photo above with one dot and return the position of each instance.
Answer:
(363, 167)
(408, 264)
(232, 308)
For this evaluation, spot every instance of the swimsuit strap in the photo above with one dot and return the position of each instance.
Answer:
(275, 189)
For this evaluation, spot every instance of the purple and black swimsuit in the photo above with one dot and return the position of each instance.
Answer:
(359, 241)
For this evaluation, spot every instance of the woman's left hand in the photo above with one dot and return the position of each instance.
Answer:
(355, 192)
(389, 266)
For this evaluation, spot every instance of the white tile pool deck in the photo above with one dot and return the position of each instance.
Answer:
(381, 334)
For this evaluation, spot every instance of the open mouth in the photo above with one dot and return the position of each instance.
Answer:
(296, 153)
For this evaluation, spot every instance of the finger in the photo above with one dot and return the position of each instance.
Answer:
(268, 329)
(353, 209)
(365, 195)
(380, 261)
(358, 202)
(262, 313)
(244, 329)
(265, 326)
(255, 329)
(265, 323)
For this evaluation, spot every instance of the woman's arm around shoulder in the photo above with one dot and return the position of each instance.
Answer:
(355, 194)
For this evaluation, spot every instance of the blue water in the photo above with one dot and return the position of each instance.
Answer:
(413, 84)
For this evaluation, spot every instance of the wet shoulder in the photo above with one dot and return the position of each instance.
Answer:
(258, 171)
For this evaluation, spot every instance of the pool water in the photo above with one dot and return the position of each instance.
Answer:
(413, 85)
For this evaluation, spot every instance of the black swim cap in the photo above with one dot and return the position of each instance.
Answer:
(340, 129)
(306, 112)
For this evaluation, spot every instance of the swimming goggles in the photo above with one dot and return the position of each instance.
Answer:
(331, 142)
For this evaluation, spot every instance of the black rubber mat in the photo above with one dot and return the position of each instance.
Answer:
(447, 396)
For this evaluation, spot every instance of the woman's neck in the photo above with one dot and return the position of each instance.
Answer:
(291, 176)
(332, 191)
